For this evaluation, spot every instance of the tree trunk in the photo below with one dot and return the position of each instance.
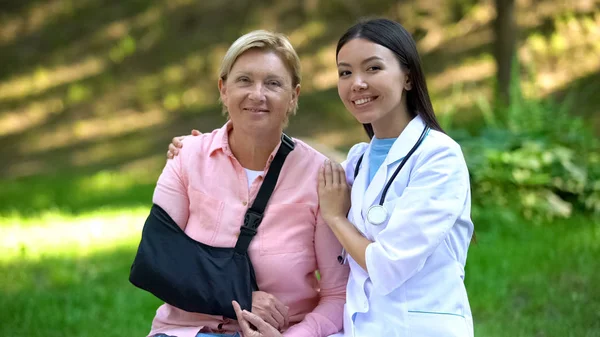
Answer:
(505, 32)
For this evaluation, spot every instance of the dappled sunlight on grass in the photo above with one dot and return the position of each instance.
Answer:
(43, 79)
(55, 233)
(37, 17)
(31, 115)
(325, 73)
(474, 71)
(564, 56)
(80, 193)
(76, 131)
(150, 65)
(305, 34)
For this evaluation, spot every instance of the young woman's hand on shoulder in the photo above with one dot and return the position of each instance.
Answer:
(176, 144)
(334, 192)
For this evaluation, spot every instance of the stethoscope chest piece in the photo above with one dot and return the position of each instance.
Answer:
(377, 215)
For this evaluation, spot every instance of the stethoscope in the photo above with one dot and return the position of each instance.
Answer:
(378, 214)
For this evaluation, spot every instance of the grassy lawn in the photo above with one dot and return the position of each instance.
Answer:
(64, 271)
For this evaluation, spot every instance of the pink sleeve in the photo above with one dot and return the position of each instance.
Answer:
(327, 317)
(171, 191)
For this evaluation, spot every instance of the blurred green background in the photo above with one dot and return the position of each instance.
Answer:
(91, 92)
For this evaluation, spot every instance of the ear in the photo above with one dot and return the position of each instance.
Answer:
(407, 83)
(294, 101)
(222, 90)
(295, 94)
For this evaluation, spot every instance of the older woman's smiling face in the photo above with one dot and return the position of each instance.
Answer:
(258, 91)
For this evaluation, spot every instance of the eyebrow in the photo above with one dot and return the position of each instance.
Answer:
(269, 76)
(372, 58)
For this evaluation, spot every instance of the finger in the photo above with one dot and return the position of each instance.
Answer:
(322, 176)
(173, 150)
(269, 318)
(260, 324)
(196, 132)
(240, 318)
(287, 318)
(335, 174)
(177, 141)
(169, 155)
(328, 174)
(341, 174)
(281, 314)
(279, 318)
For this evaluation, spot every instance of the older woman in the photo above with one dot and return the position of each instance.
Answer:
(208, 187)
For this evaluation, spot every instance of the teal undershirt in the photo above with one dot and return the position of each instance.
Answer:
(379, 150)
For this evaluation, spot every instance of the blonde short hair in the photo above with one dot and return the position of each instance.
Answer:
(269, 41)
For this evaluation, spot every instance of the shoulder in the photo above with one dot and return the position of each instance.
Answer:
(195, 148)
(200, 144)
(306, 154)
(439, 148)
(356, 151)
(354, 155)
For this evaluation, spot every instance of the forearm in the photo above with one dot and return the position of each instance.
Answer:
(351, 239)
(325, 319)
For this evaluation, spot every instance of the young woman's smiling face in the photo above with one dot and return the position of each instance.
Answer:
(372, 83)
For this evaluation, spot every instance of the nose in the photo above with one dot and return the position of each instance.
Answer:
(358, 84)
(257, 93)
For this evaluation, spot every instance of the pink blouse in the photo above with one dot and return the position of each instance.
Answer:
(205, 190)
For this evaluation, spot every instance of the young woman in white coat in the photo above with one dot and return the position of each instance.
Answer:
(400, 204)
(408, 229)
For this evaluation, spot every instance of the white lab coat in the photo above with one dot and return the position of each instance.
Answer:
(414, 287)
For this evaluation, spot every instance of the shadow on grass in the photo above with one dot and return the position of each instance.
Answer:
(74, 296)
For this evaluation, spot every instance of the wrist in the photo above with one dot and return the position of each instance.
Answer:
(335, 220)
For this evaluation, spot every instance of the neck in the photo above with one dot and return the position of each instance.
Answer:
(391, 125)
(252, 150)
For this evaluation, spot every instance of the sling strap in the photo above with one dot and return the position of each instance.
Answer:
(254, 214)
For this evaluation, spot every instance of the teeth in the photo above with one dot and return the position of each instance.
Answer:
(363, 101)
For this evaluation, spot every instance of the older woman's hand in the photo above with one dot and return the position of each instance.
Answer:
(334, 192)
(245, 318)
(176, 144)
(270, 309)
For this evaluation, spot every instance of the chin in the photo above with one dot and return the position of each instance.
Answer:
(365, 118)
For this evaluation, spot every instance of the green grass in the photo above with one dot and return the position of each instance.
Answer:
(536, 281)
(64, 271)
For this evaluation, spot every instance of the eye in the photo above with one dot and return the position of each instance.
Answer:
(243, 79)
(343, 73)
(274, 83)
(374, 68)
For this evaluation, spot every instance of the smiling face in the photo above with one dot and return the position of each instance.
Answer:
(372, 83)
(258, 92)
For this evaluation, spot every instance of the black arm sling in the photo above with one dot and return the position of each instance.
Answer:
(196, 277)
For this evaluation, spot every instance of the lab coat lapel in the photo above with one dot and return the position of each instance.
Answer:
(409, 136)
(358, 193)
(375, 188)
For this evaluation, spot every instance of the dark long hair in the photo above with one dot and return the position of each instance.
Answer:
(396, 38)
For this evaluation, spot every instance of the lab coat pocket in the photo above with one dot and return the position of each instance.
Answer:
(287, 228)
(205, 217)
(436, 324)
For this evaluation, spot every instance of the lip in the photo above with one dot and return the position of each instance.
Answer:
(370, 99)
(256, 110)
